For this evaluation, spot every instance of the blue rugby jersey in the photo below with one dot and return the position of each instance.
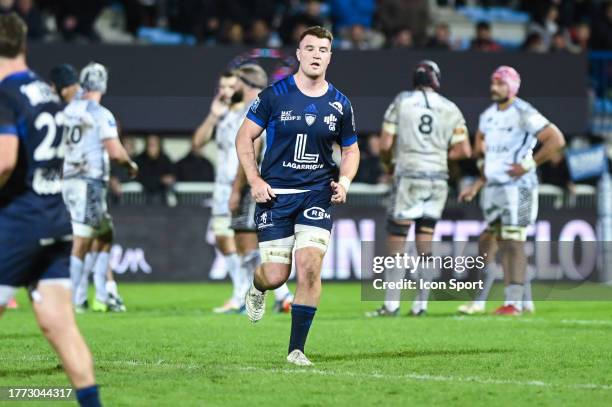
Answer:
(301, 131)
(31, 201)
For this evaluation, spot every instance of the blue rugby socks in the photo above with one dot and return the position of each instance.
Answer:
(88, 396)
(301, 319)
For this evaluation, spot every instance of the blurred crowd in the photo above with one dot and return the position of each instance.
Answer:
(553, 25)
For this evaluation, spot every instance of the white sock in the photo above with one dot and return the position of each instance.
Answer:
(393, 297)
(81, 289)
(248, 264)
(232, 265)
(514, 295)
(76, 272)
(281, 292)
(490, 272)
(111, 288)
(99, 272)
(426, 275)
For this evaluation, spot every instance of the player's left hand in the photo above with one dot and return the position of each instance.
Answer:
(338, 193)
(516, 170)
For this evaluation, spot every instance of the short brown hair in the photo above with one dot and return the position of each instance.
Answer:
(13, 33)
(317, 31)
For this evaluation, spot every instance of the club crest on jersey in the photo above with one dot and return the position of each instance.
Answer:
(310, 114)
(331, 121)
(337, 106)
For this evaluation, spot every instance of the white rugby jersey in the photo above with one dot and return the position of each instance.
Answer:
(86, 125)
(426, 124)
(510, 136)
(225, 136)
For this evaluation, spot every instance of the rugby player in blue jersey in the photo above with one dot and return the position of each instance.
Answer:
(35, 230)
(303, 116)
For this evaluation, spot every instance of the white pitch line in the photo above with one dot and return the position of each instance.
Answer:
(432, 378)
(530, 320)
(332, 373)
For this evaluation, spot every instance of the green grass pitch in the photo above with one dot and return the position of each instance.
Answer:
(170, 350)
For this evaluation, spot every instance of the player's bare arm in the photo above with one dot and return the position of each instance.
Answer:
(348, 169)
(204, 132)
(468, 194)
(387, 141)
(9, 149)
(241, 180)
(117, 153)
(552, 142)
(460, 144)
(245, 147)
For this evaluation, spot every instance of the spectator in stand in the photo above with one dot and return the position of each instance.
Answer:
(156, 173)
(581, 35)
(534, 43)
(300, 17)
(32, 17)
(75, 19)
(394, 15)
(441, 38)
(559, 44)
(347, 13)
(484, 40)
(194, 168)
(402, 39)
(602, 28)
(232, 33)
(370, 167)
(546, 24)
(361, 38)
(259, 34)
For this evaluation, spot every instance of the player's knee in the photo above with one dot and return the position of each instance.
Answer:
(275, 274)
(308, 265)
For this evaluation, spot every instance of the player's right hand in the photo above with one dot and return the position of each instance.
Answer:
(261, 191)
(218, 107)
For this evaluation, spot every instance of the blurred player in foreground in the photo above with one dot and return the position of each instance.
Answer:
(65, 80)
(91, 138)
(35, 229)
(252, 79)
(507, 133)
(422, 130)
(303, 115)
(226, 113)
